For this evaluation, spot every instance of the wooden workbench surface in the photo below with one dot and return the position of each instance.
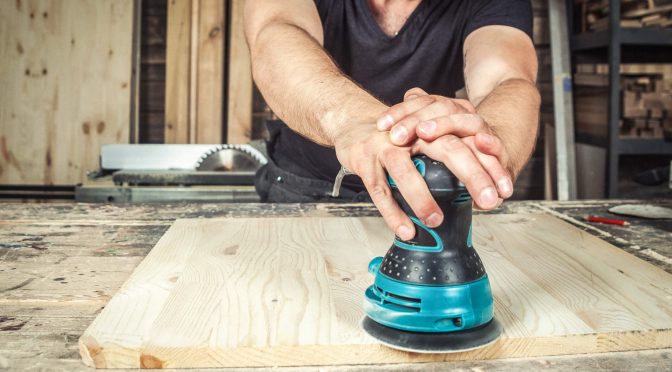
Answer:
(61, 263)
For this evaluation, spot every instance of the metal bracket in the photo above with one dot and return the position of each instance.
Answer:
(336, 191)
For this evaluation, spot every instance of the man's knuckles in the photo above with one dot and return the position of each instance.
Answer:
(449, 143)
(391, 154)
(401, 110)
(465, 104)
(414, 92)
(378, 192)
(477, 181)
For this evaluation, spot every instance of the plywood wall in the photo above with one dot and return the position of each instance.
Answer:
(65, 86)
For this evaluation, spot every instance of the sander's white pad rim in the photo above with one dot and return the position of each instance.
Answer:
(420, 351)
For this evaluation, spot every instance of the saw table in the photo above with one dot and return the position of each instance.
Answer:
(61, 263)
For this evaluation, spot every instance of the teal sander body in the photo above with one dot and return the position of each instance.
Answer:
(431, 293)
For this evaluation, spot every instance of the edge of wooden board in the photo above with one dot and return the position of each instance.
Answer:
(306, 355)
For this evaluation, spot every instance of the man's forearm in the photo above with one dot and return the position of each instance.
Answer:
(512, 111)
(304, 87)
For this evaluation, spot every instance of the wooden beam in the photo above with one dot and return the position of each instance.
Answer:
(195, 71)
(239, 115)
(178, 56)
(210, 72)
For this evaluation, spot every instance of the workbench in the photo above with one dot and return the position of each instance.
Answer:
(60, 263)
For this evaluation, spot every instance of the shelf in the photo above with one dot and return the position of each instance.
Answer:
(629, 36)
(638, 45)
(644, 146)
(629, 146)
(590, 40)
(616, 47)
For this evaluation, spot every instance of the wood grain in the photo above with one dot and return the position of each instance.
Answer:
(239, 113)
(288, 292)
(210, 71)
(195, 71)
(178, 52)
(65, 73)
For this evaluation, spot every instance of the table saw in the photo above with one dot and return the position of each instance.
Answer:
(145, 173)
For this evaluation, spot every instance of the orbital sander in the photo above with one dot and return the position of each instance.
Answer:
(431, 294)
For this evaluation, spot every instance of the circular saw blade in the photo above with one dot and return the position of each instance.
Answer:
(231, 158)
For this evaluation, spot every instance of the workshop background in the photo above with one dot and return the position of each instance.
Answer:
(78, 74)
(130, 236)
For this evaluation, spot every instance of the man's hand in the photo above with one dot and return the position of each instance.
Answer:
(455, 126)
(367, 152)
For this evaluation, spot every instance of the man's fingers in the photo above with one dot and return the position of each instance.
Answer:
(499, 203)
(461, 125)
(487, 148)
(497, 173)
(405, 130)
(375, 182)
(495, 169)
(401, 110)
(490, 144)
(412, 186)
(414, 93)
(465, 105)
(461, 161)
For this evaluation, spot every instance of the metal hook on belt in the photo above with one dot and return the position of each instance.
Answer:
(338, 181)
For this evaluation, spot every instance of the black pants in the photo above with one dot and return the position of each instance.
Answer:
(277, 185)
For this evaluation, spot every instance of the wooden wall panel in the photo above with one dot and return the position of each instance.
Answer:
(65, 73)
(178, 55)
(195, 71)
(239, 118)
(210, 71)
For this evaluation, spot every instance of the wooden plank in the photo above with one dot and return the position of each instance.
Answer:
(195, 71)
(210, 81)
(65, 72)
(178, 51)
(288, 292)
(239, 115)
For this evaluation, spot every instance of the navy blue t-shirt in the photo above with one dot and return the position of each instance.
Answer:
(425, 53)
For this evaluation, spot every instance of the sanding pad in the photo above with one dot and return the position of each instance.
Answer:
(442, 342)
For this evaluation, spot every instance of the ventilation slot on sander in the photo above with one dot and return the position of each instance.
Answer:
(401, 303)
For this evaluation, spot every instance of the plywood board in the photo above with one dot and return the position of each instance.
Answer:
(65, 78)
(289, 291)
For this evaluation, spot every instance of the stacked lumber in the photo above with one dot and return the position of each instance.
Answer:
(634, 14)
(646, 108)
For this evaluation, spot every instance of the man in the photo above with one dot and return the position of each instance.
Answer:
(365, 84)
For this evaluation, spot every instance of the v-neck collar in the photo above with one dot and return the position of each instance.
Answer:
(376, 27)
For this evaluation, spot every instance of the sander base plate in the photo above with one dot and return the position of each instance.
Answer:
(440, 342)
